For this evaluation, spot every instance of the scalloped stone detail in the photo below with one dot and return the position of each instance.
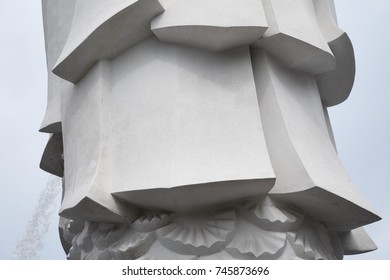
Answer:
(74, 253)
(289, 252)
(312, 241)
(83, 240)
(132, 245)
(270, 216)
(72, 228)
(252, 242)
(199, 235)
(106, 234)
(151, 222)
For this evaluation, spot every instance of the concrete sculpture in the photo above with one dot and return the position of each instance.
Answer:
(198, 129)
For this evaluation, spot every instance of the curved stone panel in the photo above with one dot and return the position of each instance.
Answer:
(213, 25)
(308, 171)
(57, 24)
(186, 128)
(294, 36)
(336, 85)
(52, 160)
(87, 151)
(102, 29)
(356, 241)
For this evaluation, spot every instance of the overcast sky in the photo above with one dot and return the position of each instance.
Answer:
(361, 124)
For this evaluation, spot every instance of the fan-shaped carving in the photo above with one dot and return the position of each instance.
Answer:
(74, 253)
(338, 250)
(151, 222)
(252, 242)
(132, 245)
(103, 241)
(270, 216)
(288, 252)
(84, 238)
(71, 229)
(199, 235)
(82, 241)
(311, 241)
(107, 234)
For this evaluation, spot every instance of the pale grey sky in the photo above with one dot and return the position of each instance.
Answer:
(361, 124)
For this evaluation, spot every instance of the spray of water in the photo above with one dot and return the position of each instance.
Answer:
(32, 242)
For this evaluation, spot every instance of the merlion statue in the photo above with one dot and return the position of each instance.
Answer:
(198, 129)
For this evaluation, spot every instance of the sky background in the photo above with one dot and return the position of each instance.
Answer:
(361, 124)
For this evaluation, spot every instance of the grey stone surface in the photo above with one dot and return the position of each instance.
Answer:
(191, 129)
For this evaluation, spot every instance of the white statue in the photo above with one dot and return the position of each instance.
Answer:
(198, 129)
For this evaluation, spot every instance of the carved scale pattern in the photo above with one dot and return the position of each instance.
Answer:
(251, 230)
